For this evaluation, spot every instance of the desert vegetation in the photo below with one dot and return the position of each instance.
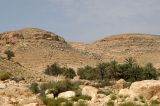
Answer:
(56, 70)
(4, 75)
(129, 71)
(103, 74)
(9, 54)
(55, 88)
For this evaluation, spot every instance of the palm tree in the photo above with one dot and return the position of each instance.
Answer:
(101, 67)
(113, 69)
(130, 61)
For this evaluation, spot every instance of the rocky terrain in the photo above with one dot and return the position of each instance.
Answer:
(17, 94)
(143, 47)
(34, 49)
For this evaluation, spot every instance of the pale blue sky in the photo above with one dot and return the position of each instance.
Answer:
(82, 20)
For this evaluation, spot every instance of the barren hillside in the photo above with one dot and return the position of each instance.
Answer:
(143, 47)
(35, 49)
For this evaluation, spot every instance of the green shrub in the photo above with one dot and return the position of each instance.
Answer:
(83, 97)
(110, 103)
(59, 86)
(103, 83)
(34, 88)
(113, 97)
(9, 53)
(105, 92)
(69, 103)
(155, 103)
(129, 71)
(4, 75)
(54, 102)
(54, 70)
(129, 104)
(69, 73)
(81, 103)
(88, 73)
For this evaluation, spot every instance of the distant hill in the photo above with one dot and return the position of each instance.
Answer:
(143, 47)
(36, 48)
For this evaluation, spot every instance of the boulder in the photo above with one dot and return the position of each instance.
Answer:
(50, 96)
(67, 94)
(146, 88)
(120, 84)
(128, 93)
(3, 86)
(89, 91)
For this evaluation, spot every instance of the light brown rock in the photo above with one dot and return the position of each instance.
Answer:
(67, 94)
(120, 84)
(32, 104)
(3, 86)
(89, 91)
(50, 96)
(146, 88)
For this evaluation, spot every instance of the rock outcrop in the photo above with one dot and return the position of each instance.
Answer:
(17, 94)
(146, 88)
(67, 94)
(89, 91)
(28, 33)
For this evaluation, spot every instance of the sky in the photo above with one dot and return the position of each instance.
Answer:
(82, 20)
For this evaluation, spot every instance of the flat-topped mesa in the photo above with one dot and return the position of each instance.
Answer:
(28, 33)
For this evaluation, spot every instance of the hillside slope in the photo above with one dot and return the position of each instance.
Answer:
(35, 49)
(143, 47)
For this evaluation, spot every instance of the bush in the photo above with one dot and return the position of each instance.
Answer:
(34, 88)
(4, 75)
(103, 83)
(129, 104)
(110, 103)
(68, 104)
(69, 73)
(58, 87)
(54, 102)
(83, 97)
(105, 92)
(113, 97)
(88, 73)
(81, 103)
(129, 71)
(9, 53)
(54, 70)
(155, 103)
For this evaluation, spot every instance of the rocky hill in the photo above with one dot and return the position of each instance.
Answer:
(143, 47)
(35, 49)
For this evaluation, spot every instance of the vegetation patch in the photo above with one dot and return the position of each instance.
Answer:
(110, 103)
(105, 92)
(129, 71)
(4, 75)
(129, 104)
(55, 70)
(82, 97)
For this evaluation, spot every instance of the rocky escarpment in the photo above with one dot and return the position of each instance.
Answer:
(28, 33)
